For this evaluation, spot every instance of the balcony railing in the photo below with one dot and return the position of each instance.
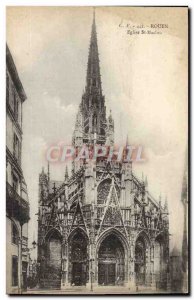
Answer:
(16, 206)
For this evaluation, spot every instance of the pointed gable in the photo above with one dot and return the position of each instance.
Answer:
(112, 214)
(53, 220)
(78, 218)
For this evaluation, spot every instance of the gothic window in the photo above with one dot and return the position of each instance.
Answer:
(78, 219)
(102, 131)
(103, 191)
(94, 123)
(88, 215)
(94, 81)
(112, 216)
(86, 125)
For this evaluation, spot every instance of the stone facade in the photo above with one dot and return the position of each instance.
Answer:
(17, 205)
(100, 226)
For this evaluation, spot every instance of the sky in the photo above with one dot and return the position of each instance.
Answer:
(144, 80)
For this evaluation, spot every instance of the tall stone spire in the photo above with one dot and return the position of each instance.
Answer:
(92, 127)
(93, 81)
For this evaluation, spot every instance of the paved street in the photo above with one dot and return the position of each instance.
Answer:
(97, 290)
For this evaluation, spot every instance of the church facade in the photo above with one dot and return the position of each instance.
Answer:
(100, 226)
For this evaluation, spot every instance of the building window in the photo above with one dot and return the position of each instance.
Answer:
(94, 82)
(16, 106)
(15, 235)
(15, 183)
(16, 147)
(7, 87)
(14, 271)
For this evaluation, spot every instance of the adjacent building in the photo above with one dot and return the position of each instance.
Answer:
(100, 226)
(17, 205)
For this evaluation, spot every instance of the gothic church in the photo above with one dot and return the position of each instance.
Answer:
(100, 226)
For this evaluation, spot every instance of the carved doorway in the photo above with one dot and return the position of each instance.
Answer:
(111, 261)
(140, 261)
(79, 259)
(107, 274)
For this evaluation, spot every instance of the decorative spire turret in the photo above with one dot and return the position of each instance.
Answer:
(48, 172)
(166, 205)
(110, 130)
(142, 175)
(146, 182)
(127, 141)
(160, 201)
(66, 174)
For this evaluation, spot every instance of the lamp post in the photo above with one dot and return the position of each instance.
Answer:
(91, 274)
(20, 264)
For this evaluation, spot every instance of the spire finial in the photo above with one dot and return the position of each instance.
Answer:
(48, 173)
(160, 199)
(166, 204)
(54, 188)
(146, 181)
(66, 174)
(127, 140)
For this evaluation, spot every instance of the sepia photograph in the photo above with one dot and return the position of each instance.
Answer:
(97, 150)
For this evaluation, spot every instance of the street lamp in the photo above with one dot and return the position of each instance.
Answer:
(34, 244)
(91, 273)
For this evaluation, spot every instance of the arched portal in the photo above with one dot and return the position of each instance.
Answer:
(140, 260)
(79, 258)
(111, 261)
